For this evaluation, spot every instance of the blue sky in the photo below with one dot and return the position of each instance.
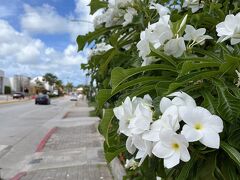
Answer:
(38, 36)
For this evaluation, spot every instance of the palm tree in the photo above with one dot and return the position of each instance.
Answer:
(50, 78)
(69, 86)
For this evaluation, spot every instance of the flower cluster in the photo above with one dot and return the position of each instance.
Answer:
(118, 12)
(161, 36)
(99, 48)
(194, 5)
(168, 137)
(230, 28)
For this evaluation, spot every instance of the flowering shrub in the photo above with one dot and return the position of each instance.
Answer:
(167, 76)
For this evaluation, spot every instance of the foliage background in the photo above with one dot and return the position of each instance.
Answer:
(206, 72)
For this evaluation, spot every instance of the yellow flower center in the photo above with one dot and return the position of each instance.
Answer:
(175, 146)
(198, 126)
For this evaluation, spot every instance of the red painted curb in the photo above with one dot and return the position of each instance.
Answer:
(43, 142)
(19, 176)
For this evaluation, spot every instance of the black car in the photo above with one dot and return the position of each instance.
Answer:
(18, 95)
(42, 99)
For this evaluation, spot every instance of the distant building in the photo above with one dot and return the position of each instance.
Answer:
(39, 83)
(19, 83)
(1, 82)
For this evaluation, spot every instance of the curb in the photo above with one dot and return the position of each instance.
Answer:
(14, 102)
(19, 176)
(43, 142)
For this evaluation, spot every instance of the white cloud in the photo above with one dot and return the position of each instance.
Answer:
(22, 54)
(46, 20)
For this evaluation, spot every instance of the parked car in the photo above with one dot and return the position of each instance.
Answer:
(42, 99)
(18, 95)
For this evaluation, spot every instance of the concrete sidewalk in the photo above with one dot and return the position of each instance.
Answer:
(73, 152)
(6, 99)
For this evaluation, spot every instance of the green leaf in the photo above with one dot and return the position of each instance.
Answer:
(112, 152)
(97, 4)
(197, 76)
(143, 90)
(187, 168)
(209, 101)
(179, 26)
(119, 74)
(105, 123)
(231, 151)
(208, 53)
(228, 105)
(159, 53)
(102, 96)
(231, 64)
(82, 40)
(234, 138)
(207, 168)
(138, 81)
(191, 65)
(107, 58)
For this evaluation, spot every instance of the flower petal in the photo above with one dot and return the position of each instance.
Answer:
(190, 133)
(172, 161)
(215, 123)
(129, 145)
(164, 104)
(151, 136)
(184, 154)
(210, 139)
(161, 151)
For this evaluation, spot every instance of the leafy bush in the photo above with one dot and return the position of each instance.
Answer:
(7, 90)
(159, 48)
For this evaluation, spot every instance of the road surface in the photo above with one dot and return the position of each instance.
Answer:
(21, 128)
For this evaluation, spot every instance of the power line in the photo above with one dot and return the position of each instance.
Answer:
(80, 20)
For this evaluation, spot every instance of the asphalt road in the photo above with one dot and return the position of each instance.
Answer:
(22, 128)
(19, 119)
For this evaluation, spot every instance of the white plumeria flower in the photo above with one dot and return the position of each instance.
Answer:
(168, 121)
(195, 5)
(229, 28)
(136, 142)
(131, 164)
(172, 147)
(159, 32)
(162, 10)
(130, 112)
(238, 82)
(125, 113)
(195, 35)
(142, 119)
(156, 34)
(175, 47)
(128, 17)
(144, 148)
(180, 99)
(143, 45)
(145, 101)
(201, 125)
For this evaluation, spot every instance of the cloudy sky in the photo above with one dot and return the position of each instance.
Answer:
(39, 36)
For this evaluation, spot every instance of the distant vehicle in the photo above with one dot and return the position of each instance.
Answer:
(55, 92)
(18, 95)
(73, 97)
(42, 99)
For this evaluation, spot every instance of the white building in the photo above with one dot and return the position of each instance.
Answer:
(1, 82)
(39, 80)
(19, 83)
